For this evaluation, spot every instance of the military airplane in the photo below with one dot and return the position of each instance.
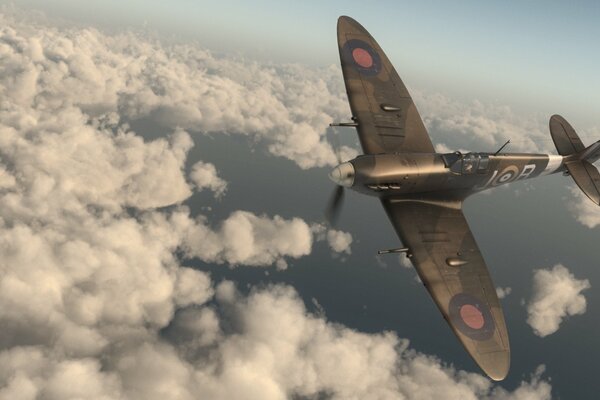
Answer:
(423, 191)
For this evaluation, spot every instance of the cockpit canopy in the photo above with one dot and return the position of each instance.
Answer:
(465, 164)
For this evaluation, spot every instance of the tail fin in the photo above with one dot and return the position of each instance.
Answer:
(578, 159)
(565, 138)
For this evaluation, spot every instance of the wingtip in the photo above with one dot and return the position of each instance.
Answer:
(345, 18)
(496, 365)
(350, 23)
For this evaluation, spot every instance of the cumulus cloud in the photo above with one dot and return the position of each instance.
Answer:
(339, 241)
(479, 126)
(204, 175)
(583, 209)
(96, 301)
(556, 296)
(275, 349)
(503, 292)
(58, 154)
(248, 239)
(288, 107)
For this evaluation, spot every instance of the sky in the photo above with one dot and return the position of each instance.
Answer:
(543, 51)
(163, 177)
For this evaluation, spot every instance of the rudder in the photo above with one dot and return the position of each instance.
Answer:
(565, 138)
(586, 176)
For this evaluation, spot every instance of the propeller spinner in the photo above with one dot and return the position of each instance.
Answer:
(343, 176)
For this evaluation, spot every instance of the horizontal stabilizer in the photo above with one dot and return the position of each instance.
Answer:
(586, 176)
(591, 153)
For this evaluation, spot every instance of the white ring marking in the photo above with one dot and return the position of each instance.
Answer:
(554, 163)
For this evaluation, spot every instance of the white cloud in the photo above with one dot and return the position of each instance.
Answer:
(503, 292)
(94, 300)
(339, 241)
(479, 126)
(61, 155)
(583, 209)
(204, 175)
(556, 295)
(289, 107)
(442, 148)
(246, 239)
(278, 350)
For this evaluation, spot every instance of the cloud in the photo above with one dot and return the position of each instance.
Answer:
(261, 346)
(339, 241)
(247, 239)
(583, 209)
(58, 153)
(556, 295)
(479, 126)
(279, 350)
(442, 148)
(96, 300)
(204, 175)
(503, 292)
(288, 107)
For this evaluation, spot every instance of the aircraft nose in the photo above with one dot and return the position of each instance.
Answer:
(343, 174)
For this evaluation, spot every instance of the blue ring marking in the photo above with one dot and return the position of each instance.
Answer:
(483, 333)
(349, 47)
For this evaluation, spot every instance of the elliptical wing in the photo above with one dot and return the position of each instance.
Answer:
(452, 269)
(388, 121)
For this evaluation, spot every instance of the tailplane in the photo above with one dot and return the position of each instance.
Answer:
(578, 158)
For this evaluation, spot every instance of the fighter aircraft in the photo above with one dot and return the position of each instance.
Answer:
(423, 191)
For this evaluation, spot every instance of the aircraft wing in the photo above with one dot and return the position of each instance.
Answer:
(452, 269)
(388, 121)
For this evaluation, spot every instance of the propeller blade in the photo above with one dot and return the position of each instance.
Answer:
(334, 206)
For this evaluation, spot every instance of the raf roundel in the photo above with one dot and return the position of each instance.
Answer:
(507, 175)
(362, 56)
(472, 317)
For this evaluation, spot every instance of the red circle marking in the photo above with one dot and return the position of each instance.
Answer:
(362, 57)
(472, 316)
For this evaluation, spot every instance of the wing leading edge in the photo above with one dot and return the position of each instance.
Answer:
(388, 120)
(452, 269)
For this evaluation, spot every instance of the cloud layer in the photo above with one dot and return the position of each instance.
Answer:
(96, 299)
(556, 296)
(286, 106)
(478, 126)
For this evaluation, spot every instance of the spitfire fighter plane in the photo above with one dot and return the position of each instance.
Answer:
(423, 191)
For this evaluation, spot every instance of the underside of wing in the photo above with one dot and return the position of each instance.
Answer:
(387, 118)
(452, 269)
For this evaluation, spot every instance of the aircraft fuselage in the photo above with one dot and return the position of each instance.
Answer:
(453, 174)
